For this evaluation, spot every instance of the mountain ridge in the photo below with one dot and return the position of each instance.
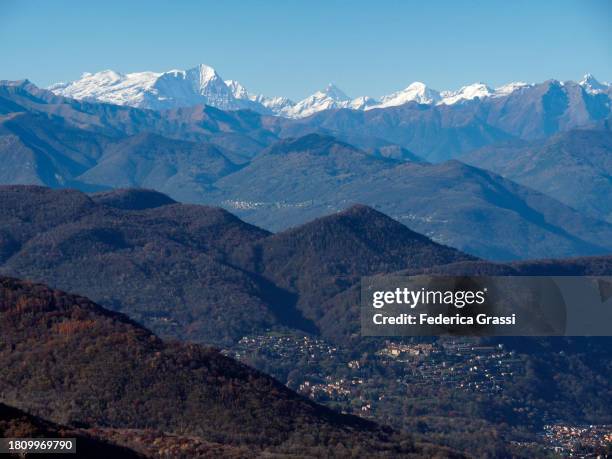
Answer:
(138, 381)
(209, 156)
(427, 197)
(134, 251)
(203, 85)
(573, 167)
(199, 273)
(15, 423)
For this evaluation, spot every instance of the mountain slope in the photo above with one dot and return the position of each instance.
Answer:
(476, 118)
(454, 204)
(435, 133)
(38, 149)
(193, 272)
(135, 199)
(150, 263)
(180, 168)
(242, 130)
(574, 167)
(319, 259)
(329, 98)
(42, 150)
(341, 321)
(16, 423)
(198, 273)
(79, 363)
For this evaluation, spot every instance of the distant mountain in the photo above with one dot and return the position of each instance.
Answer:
(592, 86)
(241, 132)
(181, 168)
(200, 85)
(272, 104)
(39, 150)
(39, 147)
(108, 371)
(574, 167)
(329, 98)
(443, 131)
(433, 132)
(478, 212)
(415, 92)
(203, 85)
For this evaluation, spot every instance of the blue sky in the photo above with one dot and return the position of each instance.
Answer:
(292, 48)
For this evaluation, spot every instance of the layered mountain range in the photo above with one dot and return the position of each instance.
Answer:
(277, 173)
(141, 253)
(201, 274)
(203, 85)
(182, 203)
(75, 363)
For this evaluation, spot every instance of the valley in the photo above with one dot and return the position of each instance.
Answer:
(394, 382)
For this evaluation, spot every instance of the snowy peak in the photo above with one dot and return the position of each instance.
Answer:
(199, 85)
(592, 86)
(329, 98)
(206, 80)
(275, 104)
(415, 92)
(272, 104)
(158, 91)
(109, 86)
(363, 103)
(202, 85)
(509, 88)
(473, 91)
(237, 90)
(334, 92)
(205, 73)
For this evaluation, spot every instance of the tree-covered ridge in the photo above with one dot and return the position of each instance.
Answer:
(76, 363)
(198, 273)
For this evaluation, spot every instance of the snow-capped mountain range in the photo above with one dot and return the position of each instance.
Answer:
(203, 85)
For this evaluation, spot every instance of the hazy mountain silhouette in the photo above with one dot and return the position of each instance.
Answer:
(478, 212)
(574, 167)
